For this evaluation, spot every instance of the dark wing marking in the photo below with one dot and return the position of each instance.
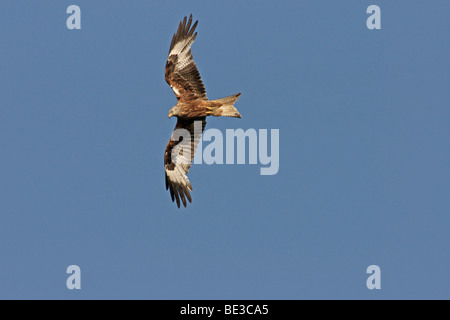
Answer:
(178, 158)
(181, 72)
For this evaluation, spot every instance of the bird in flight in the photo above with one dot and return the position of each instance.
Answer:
(191, 111)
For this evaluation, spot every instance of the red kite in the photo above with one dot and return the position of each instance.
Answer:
(193, 105)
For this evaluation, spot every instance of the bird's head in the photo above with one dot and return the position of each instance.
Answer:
(174, 111)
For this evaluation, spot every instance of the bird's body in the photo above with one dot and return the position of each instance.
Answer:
(192, 107)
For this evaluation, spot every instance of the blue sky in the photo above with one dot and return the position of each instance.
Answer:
(364, 151)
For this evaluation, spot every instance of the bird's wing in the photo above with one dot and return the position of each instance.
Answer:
(178, 158)
(181, 72)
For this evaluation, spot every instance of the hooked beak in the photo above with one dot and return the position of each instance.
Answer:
(170, 114)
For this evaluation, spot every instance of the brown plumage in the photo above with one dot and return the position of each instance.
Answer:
(191, 109)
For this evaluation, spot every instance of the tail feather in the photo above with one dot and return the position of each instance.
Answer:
(227, 109)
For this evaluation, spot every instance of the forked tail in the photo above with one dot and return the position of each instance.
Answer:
(227, 108)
